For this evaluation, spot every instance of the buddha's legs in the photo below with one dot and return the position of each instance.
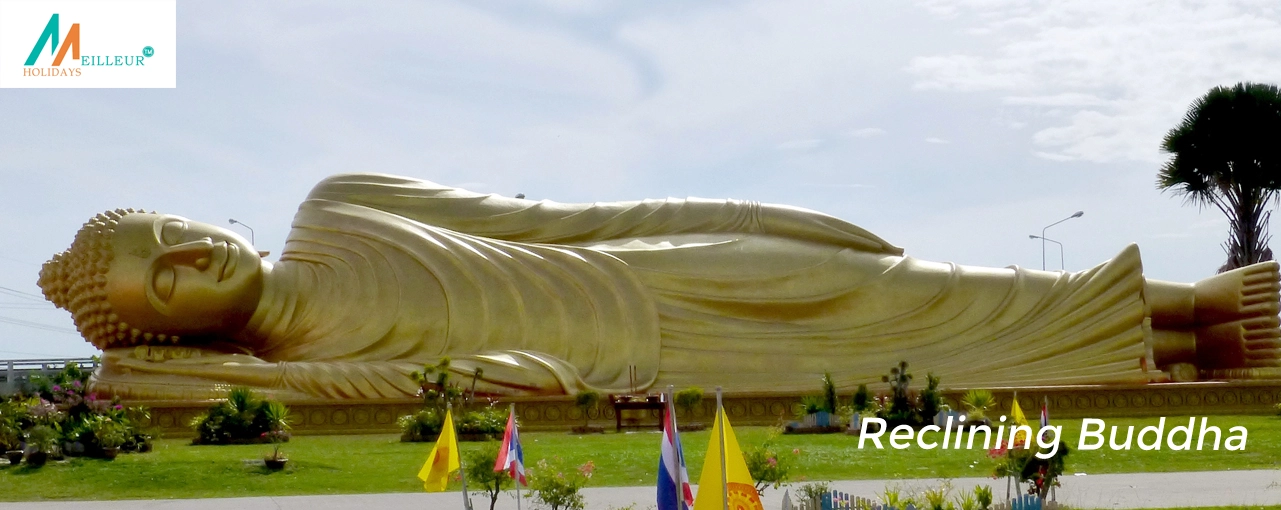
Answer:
(1227, 321)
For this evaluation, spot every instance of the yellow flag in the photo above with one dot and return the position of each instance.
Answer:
(742, 489)
(443, 459)
(1016, 414)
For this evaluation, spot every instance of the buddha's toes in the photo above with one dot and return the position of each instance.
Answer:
(1252, 342)
(1262, 339)
(1243, 293)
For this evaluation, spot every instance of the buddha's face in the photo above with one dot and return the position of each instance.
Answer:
(175, 276)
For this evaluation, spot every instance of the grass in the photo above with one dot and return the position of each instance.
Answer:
(380, 463)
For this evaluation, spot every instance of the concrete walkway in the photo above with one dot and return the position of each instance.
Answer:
(1136, 490)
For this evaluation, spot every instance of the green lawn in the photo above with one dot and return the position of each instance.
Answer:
(356, 464)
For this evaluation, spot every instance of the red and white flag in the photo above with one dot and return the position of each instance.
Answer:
(510, 456)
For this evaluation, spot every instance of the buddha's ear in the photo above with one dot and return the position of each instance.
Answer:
(264, 254)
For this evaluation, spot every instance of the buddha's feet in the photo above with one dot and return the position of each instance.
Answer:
(1247, 292)
(1236, 317)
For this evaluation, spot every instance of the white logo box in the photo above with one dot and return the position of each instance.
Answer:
(115, 38)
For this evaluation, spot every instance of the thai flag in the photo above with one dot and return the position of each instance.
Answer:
(1045, 421)
(510, 456)
(671, 468)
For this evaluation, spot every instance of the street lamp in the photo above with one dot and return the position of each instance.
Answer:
(251, 229)
(1074, 215)
(1043, 239)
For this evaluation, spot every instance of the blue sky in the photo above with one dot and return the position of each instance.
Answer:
(953, 128)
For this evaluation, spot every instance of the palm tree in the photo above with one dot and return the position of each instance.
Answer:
(1227, 153)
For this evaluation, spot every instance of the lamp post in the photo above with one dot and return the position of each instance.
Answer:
(251, 230)
(1074, 215)
(1043, 240)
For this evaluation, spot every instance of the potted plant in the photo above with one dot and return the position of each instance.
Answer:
(586, 400)
(10, 434)
(42, 441)
(109, 434)
(276, 417)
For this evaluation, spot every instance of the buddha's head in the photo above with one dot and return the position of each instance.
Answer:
(143, 278)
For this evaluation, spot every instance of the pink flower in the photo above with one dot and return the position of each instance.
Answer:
(57, 388)
(772, 462)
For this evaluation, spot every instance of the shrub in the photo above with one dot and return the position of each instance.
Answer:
(829, 393)
(977, 402)
(893, 496)
(936, 499)
(862, 399)
(481, 474)
(689, 399)
(983, 496)
(813, 493)
(425, 425)
(586, 400)
(931, 399)
(558, 487)
(489, 421)
(899, 410)
(241, 418)
(811, 404)
(768, 464)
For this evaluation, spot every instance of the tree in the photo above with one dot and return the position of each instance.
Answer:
(1227, 153)
(586, 400)
(481, 474)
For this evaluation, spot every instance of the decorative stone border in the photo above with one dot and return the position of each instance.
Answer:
(172, 418)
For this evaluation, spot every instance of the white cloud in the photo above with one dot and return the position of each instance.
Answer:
(1124, 71)
(937, 140)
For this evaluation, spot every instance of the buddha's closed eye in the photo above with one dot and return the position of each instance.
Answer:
(163, 282)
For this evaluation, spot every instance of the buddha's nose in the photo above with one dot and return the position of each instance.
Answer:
(192, 253)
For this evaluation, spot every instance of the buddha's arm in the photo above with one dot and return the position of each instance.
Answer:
(545, 221)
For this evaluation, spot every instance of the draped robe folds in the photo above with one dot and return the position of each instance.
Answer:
(386, 274)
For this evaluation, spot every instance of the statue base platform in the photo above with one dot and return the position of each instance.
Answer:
(558, 413)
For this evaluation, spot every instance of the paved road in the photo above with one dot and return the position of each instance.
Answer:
(1138, 490)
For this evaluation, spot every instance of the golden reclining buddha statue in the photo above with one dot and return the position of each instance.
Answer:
(383, 274)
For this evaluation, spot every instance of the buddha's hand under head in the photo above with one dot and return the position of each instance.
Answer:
(134, 278)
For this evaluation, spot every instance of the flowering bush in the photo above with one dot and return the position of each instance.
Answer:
(770, 465)
(558, 487)
(80, 420)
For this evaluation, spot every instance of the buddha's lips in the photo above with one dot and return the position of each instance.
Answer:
(231, 253)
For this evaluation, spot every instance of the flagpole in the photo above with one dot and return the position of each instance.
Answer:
(720, 425)
(462, 468)
(671, 413)
(1012, 477)
(515, 479)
